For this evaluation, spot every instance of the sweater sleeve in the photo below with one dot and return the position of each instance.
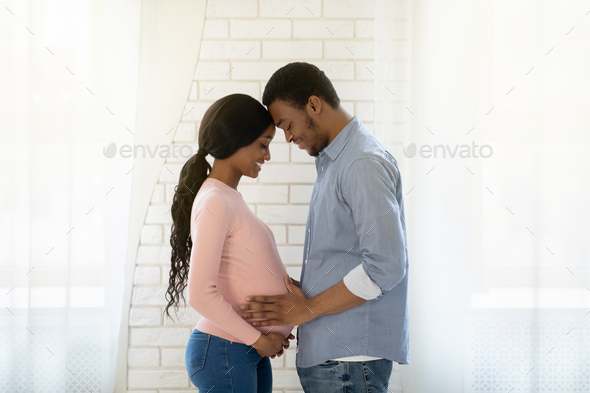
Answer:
(210, 227)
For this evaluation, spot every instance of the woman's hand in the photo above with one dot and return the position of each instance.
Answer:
(270, 344)
(291, 337)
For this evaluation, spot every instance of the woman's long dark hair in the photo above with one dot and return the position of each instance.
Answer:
(229, 124)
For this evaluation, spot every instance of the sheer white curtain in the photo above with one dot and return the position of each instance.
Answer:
(498, 235)
(68, 80)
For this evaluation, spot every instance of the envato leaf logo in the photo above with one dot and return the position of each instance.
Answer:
(110, 150)
(410, 150)
(462, 151)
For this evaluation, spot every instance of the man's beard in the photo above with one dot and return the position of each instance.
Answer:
(322, 139)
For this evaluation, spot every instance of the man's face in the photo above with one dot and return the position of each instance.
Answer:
(299, 127)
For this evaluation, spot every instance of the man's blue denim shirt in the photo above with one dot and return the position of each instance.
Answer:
(356, 215)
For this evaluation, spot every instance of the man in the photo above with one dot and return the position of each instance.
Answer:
(351, 303)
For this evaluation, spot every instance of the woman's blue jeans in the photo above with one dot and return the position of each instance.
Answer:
(221, 366)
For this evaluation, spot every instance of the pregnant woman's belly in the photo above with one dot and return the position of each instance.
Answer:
(267, 279)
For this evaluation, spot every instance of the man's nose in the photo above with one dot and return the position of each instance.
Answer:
(288, 136)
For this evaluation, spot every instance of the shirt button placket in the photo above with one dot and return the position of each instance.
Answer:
(318, 180)
(308, 237)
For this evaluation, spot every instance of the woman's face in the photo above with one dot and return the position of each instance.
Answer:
(249, 159)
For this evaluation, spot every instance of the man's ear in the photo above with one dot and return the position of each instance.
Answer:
(315, 103)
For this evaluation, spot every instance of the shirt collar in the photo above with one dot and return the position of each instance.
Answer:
(338, 143)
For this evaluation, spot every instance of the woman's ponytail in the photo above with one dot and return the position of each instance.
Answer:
(192, 175)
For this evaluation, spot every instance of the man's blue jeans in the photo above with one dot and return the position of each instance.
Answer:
(221, 366)
(346, 377)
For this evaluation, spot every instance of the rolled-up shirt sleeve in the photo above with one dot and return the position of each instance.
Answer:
(360, 284)
(369, 189)
(209, 229)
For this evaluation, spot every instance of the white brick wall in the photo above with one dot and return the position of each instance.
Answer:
(244, 42)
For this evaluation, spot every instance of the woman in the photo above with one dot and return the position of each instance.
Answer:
(232, 253)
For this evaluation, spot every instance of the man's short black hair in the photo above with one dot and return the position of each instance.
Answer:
(296, 82)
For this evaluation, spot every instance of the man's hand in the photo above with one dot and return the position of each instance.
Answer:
(295, 308)
(281, 310)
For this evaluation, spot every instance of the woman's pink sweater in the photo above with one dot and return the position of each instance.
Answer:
(234, 255)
